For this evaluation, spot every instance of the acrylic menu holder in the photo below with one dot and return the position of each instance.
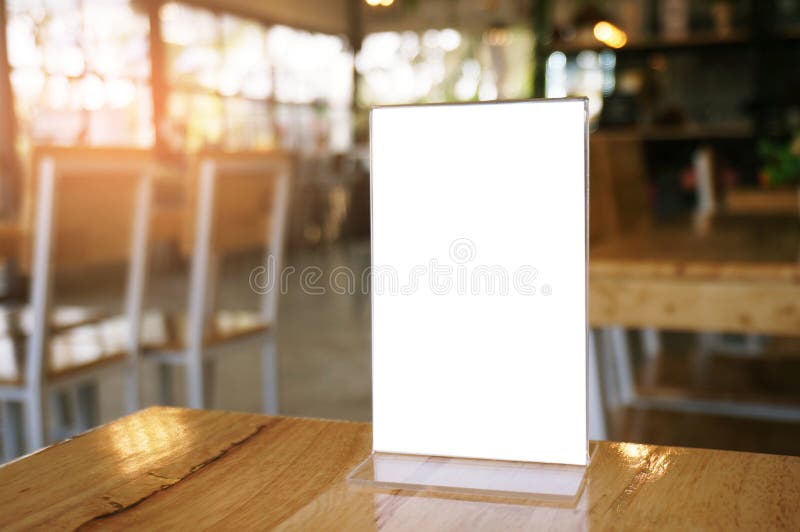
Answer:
(530, 482)
(516, 420)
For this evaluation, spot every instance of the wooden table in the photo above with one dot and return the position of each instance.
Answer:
(742, 278)
(173, 468)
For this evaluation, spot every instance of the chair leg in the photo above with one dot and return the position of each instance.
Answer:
(11, 430)
(598, 429)
(269, 376)
(165, 382)
(8, 444)
(209, 379)
(34, 422)
(701, 365)
(608, 369)
(651, 342)
(64, 405)
(87, 406)
(194, 380)
(132, 398)
(651, 348)
(622, 358)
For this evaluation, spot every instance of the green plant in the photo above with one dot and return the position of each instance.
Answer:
(782, 161)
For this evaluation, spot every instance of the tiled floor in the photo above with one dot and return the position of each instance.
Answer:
(323, 342)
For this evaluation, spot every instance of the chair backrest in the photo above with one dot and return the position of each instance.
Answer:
(239, 202)
(619, 200)
(91, 207)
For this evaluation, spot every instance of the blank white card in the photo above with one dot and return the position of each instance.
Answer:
(479, 280)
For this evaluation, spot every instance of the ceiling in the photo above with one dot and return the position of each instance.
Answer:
(334, 16)
(328, 16)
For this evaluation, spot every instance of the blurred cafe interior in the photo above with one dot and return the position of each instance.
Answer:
(133, 269)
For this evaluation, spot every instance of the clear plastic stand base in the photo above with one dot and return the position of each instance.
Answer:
(533, 482)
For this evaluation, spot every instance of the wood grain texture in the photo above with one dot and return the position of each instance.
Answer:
(743, 279)
(685, 305)
(732, 248)
(169, 468)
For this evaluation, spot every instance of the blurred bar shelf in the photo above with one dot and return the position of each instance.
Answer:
(684, 132)
(695, 42)
(660, 44)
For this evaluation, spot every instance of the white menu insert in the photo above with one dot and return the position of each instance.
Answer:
(479, 280)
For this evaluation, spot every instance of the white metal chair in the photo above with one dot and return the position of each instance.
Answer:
(240, 203)
(91, 208)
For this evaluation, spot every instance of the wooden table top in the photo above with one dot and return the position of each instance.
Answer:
(175, 468)
(751, 249)
(743, 276)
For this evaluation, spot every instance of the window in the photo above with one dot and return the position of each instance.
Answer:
(445, 65)
(237, 84)
(219, 80)
(80, 72)
(588, 73)
(313, 89)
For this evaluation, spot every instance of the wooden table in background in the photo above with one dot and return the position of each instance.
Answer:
(743, 278)
(174, 468)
